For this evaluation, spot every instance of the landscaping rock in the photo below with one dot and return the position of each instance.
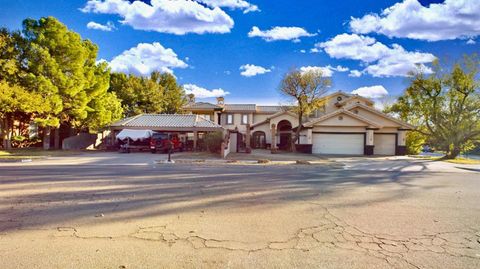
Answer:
(302, 162)
(263, 161)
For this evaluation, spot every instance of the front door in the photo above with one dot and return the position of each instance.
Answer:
(285, 141)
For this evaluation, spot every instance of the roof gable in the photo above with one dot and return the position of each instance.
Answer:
(377, 116)
(347, 119)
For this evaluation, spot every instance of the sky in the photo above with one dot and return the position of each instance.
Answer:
(241, 49)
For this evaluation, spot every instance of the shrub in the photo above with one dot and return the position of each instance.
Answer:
(213, 141)
(414, 142)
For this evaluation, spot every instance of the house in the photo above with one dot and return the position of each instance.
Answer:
(190, 128)
(346, 124)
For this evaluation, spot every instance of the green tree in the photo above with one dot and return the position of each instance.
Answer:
(15, 101)
(61, 65)
(173, 94)
(305, 90)
(445, 106)
(158, 93)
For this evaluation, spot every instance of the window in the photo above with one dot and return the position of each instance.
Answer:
(207, 117)
(229, 119)
(244, 119)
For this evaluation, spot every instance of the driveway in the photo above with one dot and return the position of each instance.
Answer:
(133, 213)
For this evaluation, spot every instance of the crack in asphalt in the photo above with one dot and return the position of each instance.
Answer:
(331, 232)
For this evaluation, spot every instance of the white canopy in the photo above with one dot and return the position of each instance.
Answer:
(134, 135)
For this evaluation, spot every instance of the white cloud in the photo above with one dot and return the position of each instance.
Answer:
(280, 33)
(251, 70)
(200, 92)
(176, 17)
(314, 50)
(449, 20)
(326, 71)
(232, 4)
(381, 60)
(471, 42)
(355, 74)
(102, 27)
(146, 58)
(377, 91)
(303, 51)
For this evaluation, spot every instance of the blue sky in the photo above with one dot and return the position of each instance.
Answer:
(359, 46)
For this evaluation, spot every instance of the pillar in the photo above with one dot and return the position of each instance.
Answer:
(309, 136)
(273, 147)
(195, 138)
(369, 142)
(56, 138)
(401, 142)
(247, 138)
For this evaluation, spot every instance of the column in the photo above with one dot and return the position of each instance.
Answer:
(195, 138)
(401, 142)
(369, 143)
(46, 138)
(273, 147)
(247, 138)
(309, 136)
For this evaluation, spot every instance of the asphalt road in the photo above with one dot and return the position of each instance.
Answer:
(234, 216)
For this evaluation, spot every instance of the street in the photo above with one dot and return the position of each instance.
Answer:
(238, 216)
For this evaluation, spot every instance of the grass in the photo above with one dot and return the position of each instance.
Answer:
(457, 160)
(33, 153)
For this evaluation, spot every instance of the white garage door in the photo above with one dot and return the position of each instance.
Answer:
(347, 144)
(384, 144)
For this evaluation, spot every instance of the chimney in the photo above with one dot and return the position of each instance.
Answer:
(220, 101)
(191, 99)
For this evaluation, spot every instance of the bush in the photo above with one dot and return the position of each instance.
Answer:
(213, 141)
(414, 142)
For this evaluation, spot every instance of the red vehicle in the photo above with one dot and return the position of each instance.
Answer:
(163, 142)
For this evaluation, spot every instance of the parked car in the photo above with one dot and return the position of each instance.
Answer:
(427, 149)
(163, 141)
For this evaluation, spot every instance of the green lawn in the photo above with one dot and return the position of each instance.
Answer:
(34, 153)
(457, 160)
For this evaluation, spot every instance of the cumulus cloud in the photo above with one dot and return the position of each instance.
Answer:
(232, 4)
(102, 27)
(326, 71)
(449, 20)
(146, 58)
(251, 70)
(280, 33)
(471, 42)
(381, 60)
(377, 91)
(175, 17)
(355, 74)
(200, 92)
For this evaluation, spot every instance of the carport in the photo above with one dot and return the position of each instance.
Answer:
(187, 125)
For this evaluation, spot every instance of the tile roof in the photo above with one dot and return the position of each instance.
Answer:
(153, 121)
(240, 107)
(202, 105)
(270, 109)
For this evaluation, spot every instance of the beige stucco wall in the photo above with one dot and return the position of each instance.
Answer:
(260, 117)
(346, 121)
(330, 105)
(384, 122)
(340, 129)
(237, 122)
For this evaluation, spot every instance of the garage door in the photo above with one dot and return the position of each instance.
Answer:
(347, 144)
(385, 144)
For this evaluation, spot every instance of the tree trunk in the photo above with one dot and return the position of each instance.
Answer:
(297, 133)
(46, 138)
(453, 153)
(6, 133)
(56, 138)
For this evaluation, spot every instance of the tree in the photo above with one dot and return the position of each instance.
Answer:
(444, 106)
(61, 66)
(15, 101)
(173, 94)
(159, 93)
(305, 90)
